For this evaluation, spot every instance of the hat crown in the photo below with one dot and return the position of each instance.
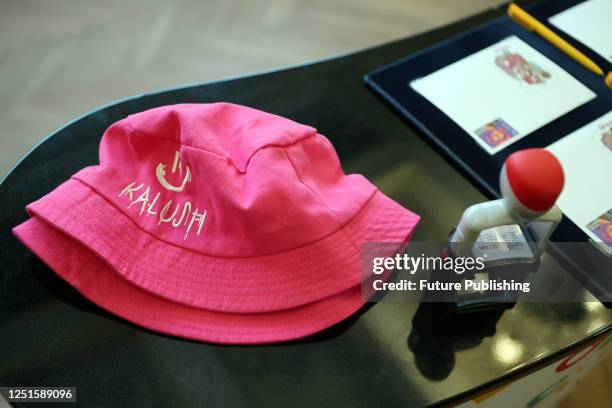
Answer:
(225, 180)
(228, 130)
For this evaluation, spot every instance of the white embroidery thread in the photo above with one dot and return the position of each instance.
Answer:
(160, 172)
(180, 218)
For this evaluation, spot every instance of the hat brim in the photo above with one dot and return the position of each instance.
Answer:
(97, 281)
(262, 284)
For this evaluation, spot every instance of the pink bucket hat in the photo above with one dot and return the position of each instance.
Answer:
(215, 222)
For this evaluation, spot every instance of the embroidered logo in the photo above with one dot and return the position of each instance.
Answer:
(184, 214)
(160, 172)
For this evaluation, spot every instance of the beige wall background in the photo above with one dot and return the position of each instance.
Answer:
(62, 58)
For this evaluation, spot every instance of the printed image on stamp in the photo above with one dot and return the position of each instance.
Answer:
(606, 137)
(496, 132)
(602, 226)
(519, 68)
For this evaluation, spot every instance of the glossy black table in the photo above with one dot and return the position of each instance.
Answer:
(50, 335)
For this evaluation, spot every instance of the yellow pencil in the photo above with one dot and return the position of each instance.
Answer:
(528, 22)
